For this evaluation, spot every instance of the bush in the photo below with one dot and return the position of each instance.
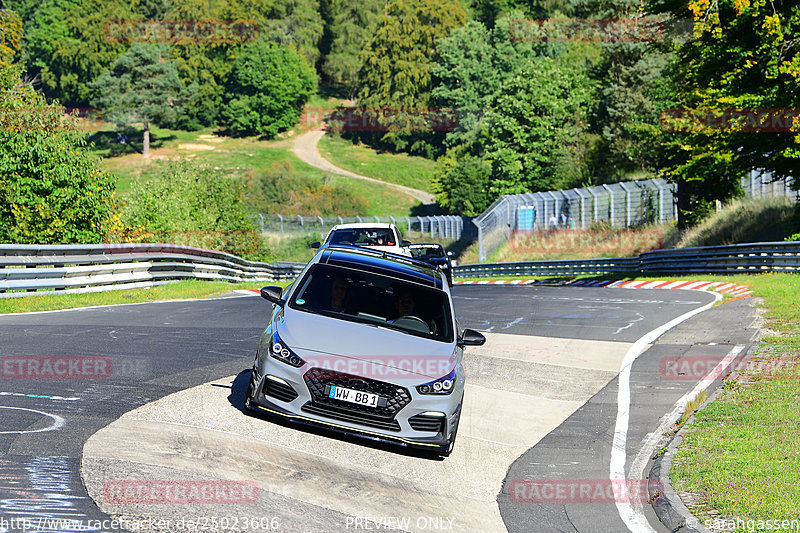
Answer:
(279, 190)
(462, 185)
(52, 191)
(195, 206)
(269, 86)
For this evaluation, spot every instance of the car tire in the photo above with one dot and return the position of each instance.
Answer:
(250, 392)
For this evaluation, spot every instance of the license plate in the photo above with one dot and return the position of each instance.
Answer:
(353, 396)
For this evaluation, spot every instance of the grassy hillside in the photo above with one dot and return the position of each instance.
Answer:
(746, 220)
(741, 221)
(575, 244)
(303, 188)
(403, 169)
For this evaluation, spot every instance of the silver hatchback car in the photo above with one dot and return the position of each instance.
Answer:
(364, 342)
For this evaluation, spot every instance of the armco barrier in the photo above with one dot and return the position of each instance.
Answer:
(91, 268)
(730, 259)
(38, 269)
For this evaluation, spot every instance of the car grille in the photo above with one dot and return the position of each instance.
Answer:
(381, 417)
(279, 390)
(427, 423)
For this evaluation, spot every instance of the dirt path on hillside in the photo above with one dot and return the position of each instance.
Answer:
(305, 147)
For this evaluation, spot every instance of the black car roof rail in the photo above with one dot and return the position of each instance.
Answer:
(330, 250)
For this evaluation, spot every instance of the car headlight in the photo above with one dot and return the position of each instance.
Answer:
(282, 353)
(444, 385)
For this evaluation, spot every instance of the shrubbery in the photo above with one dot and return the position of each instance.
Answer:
(196, 206)
(52, 191)
(279, 190)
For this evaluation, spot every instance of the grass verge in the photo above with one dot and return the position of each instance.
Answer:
(180, 290)
(741, 457)
(402, 169)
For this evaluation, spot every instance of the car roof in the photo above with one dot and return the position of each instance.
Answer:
(380, 262)
(361, 225)
(425, 245)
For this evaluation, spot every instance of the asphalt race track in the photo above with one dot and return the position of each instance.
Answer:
(155, 395)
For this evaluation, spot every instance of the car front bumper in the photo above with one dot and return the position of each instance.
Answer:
(278, 383)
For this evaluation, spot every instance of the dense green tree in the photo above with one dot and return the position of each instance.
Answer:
(743, 56)
(68, 46)
(489, 11)
(395, 68)
(296, 23)
(51, 190)
(209, 63)
(462, 184)
(469, 67)
(269, 86)
(351, 26)
(633, 86)
(537, 122)
(142, 86)
(395, 71)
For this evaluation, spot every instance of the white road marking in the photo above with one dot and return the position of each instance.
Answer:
(58, 422)
(39, 396)
(641, 317)
(634, 520)
(650, 443)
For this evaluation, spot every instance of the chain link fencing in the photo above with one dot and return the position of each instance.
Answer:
(436, 228)
(621, 205)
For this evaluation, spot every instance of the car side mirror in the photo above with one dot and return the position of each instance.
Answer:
(470, 337)
(450, 254)
(315, 245)
(273, 294)
(405, 243)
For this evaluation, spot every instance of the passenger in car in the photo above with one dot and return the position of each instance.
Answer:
(404, 303)
(338, 295)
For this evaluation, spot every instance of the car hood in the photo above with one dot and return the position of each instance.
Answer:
(357, 348)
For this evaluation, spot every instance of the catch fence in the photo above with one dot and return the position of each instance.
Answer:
(436, 228)
(624, 204)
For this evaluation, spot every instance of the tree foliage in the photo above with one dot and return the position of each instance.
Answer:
(268, 88)
(351, 26)
(51, 190)
(742, 55)
(10, 36)
(395, 68)
(68, 47)
(142, 86)
(537, 123)
(462, 184)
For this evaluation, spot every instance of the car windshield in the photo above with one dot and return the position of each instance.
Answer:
(363, 237)
(374, 299)
(426, 252)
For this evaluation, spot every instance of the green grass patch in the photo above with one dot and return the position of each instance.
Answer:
(402, 169)
(304, 189)
(742, 454)
(180, 290)
(741, 221)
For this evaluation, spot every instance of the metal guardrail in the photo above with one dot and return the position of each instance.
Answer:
(92, 268)
(44, 269)
(730, 259)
